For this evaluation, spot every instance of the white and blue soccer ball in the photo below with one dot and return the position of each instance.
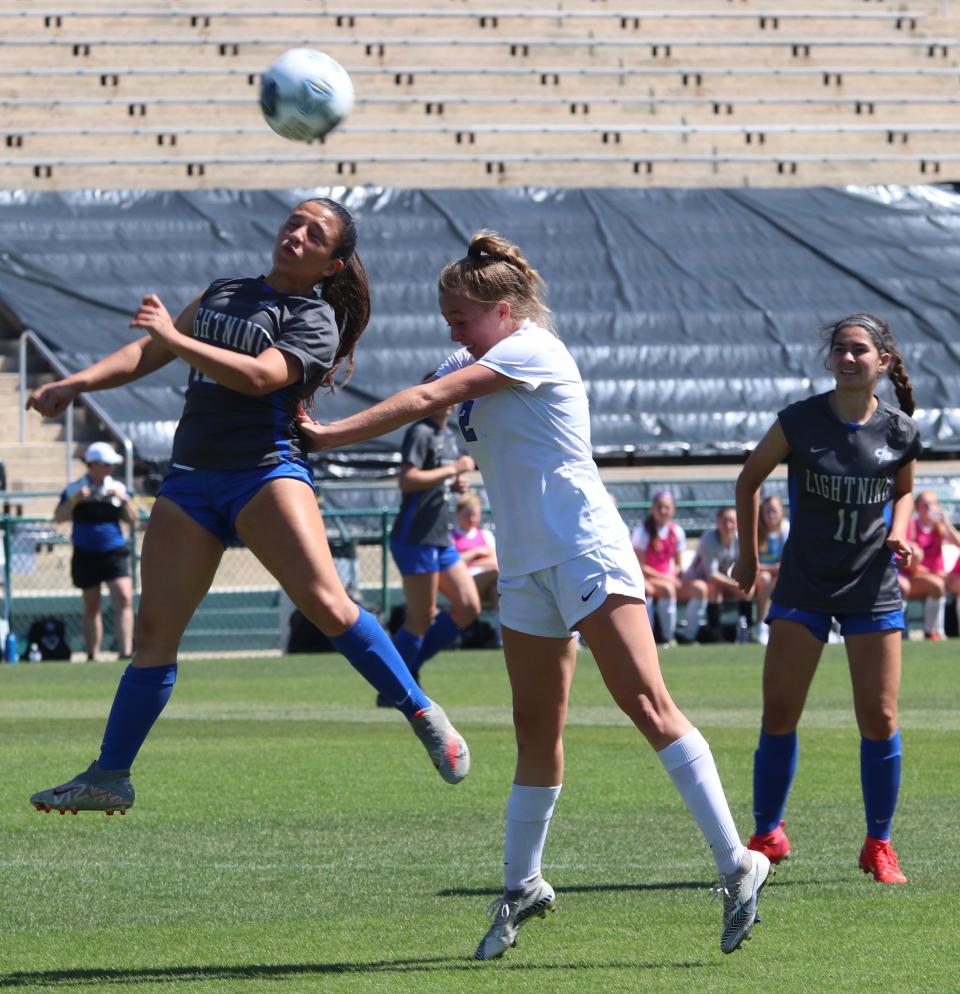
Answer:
(305, 94)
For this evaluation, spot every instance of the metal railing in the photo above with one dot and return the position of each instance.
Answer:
(31, 338)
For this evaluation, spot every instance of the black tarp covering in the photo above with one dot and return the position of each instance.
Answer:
(692, 313)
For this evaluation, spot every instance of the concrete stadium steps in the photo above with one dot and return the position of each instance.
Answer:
(813, 50)
(836, 61)
(630, 140)
(450, 108)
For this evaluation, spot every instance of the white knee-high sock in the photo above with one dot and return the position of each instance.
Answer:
(933, 610)
(529, 811)
(694, 612)
(667, 613)
(694, 773)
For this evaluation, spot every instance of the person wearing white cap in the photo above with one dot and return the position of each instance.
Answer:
(98, 504)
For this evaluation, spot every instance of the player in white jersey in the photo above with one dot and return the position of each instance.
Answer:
(566, 565)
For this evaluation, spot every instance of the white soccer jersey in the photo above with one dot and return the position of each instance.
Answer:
(531, 443)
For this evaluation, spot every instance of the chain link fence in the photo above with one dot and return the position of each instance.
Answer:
(245, 610)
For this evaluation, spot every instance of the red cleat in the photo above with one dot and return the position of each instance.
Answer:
(774, 845)
(877, 857)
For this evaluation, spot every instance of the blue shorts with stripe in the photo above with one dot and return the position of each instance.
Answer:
(214, 497)
(818, 622)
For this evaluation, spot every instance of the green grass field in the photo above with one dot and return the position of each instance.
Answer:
(290, 837)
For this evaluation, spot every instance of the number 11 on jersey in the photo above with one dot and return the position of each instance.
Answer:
(851, 529)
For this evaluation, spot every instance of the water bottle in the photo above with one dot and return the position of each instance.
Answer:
(34, 655)
(743, 629)
(11, 648)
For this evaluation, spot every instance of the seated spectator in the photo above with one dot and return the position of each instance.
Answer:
(926, 577)
(477, 546)
(772, 531)
(659, 543)
(709, 576)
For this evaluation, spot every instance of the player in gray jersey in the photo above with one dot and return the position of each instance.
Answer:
(256, 348)
(851, 460)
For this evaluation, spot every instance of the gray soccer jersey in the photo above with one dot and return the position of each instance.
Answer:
(840, 482)
(424, 518)
(226, 430)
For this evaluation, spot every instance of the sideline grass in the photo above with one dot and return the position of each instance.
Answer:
(290, 837)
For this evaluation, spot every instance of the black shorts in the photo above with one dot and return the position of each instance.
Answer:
(90, 569)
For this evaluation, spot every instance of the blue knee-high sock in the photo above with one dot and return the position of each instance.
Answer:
(370, 651)
(774, 767)
(408, 645)
(880, 779)
(439, 635)
(141, 695)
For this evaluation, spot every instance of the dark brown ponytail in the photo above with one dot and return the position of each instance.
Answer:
(348, 293)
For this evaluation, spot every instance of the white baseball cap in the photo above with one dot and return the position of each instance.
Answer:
(102, 452)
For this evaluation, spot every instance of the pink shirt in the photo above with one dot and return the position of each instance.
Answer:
(663, 558)
(931, 543)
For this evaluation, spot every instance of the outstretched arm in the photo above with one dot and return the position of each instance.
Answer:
(408, 405)
(769, 453)
(132, 362)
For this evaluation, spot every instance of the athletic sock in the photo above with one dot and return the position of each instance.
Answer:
(439, 635)
(933, 611)
(774, 767)
(692, 626)
(408, 645)
(371, 653)
(141, 695)
(667, 616)
(694, 773)
(880, 778)
(529, 810)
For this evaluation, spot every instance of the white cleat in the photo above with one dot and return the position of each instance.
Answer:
(510, 912)
(741, 891)
(444, 744)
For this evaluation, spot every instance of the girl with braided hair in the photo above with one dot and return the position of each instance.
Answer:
(257, 348)
(566, 565)
(851, 459)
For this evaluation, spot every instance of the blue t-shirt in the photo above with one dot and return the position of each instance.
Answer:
(96, 519)
(225, 430)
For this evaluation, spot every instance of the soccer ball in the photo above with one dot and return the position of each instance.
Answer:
(305, 94)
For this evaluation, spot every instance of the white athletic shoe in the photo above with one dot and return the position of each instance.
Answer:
(510, 912)
(741, 891)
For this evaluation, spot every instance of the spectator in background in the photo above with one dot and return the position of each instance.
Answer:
(772, 531)
(97, 504)
(477, 546)
(420, 543)
(926, 575)
(709, 578)
(659, 543)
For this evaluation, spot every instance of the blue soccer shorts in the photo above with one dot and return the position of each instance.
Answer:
(818, 622)
(214, 498)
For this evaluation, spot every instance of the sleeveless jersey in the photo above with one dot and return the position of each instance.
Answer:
(840, 479)
(930, 542)
(225, 430)
(424, 517)
(672, 539)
